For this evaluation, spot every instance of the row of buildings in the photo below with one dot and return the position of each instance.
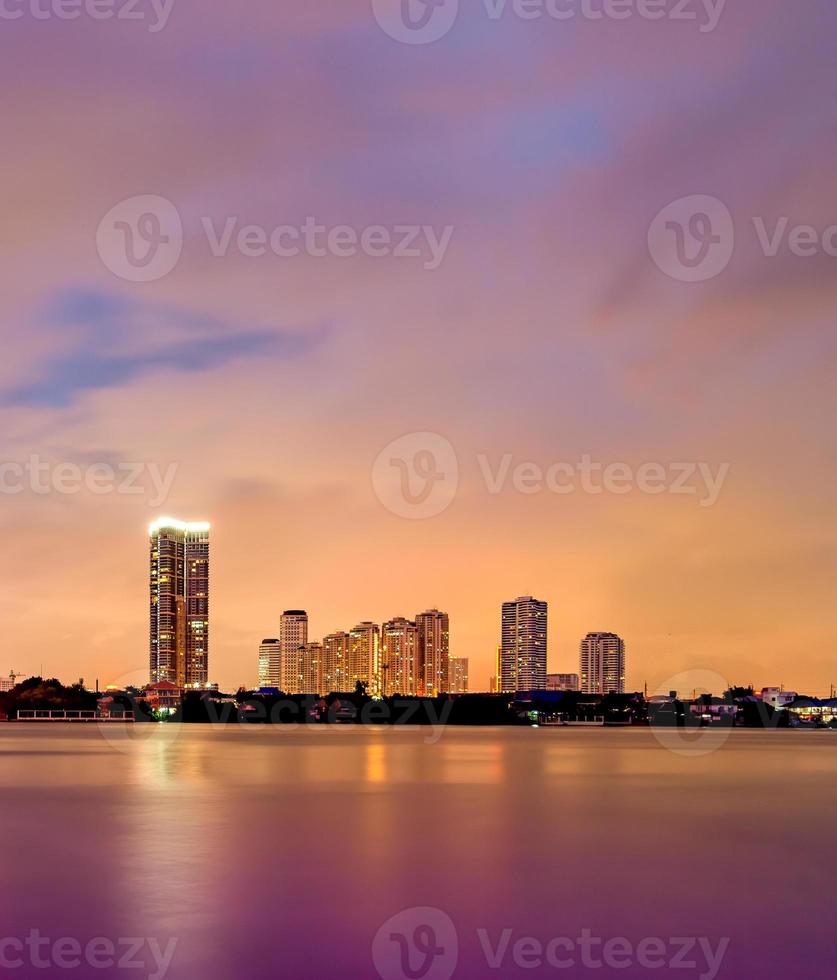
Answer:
(405, 656)
(402, 656)
(412, 657)
(522, 655)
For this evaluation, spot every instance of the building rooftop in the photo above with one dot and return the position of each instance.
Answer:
(174, 524)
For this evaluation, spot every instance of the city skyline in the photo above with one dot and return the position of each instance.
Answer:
(410, 657)
(388, 658)
(400, 656)
(563, 656)
(413, 657)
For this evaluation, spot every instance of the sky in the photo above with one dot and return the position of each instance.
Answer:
(546, 243)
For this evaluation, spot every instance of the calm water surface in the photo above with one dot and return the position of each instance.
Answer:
(280, 853)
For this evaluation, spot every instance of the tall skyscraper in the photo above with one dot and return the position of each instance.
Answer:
(179, 608)
(434, 652)
(270, 663)
(523, 645)
(458, 675)
(364, 657)
(602, 664)
(336, 648)
(400, 646)
(293, 634)
(311, 669)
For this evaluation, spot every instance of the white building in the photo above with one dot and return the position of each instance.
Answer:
(777, 697)
(365, 656)
(293, 634)
(311, 669)
(336, 662)
(270, 663)
(401, 657)
(523, 645)
(602, 664)
(434, 653)
(458, 675)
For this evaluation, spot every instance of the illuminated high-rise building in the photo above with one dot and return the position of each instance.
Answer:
(400, 652)
(311, 669)
(364, 657)
(602, 664)
(458, 675)
(336, 649)
(523, 645)
(293, 634)
(433, 662)
(270, 663)
(179, 608)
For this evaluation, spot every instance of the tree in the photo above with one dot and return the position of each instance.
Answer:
(738, 693)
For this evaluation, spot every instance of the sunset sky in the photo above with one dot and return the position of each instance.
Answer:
(548, 331)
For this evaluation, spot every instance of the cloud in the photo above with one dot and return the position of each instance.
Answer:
(117, 340)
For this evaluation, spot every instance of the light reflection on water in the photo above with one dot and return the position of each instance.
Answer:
(270, 852)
